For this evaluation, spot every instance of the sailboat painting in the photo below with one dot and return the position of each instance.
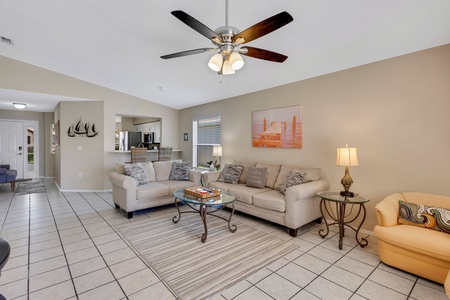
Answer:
(82, 129)
(278, 127)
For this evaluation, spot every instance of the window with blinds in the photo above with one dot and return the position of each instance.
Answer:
(207, 134)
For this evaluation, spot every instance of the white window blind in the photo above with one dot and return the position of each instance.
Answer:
(208, 135)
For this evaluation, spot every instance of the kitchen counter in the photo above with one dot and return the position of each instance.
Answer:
(148, 151)
(152, 155)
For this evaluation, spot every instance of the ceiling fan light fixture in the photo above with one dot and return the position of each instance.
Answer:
(236, 61)
(215, 63)
(226, 68)
(19, 105)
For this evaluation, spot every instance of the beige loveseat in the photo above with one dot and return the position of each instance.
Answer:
(297, 207)
(421, 251)
(130, 196)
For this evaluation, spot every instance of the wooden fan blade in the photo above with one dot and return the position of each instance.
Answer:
(264, 27)
(263, 54)
(186, 53)
(195, 24)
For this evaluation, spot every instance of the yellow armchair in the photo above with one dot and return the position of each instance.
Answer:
(421, 251)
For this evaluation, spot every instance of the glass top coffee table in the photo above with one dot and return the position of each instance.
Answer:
(206, 206)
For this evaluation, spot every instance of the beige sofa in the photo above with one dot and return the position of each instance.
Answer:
(421, 251)
(130, 196)
(296, 208)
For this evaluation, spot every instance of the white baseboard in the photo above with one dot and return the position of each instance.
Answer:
(84, 191)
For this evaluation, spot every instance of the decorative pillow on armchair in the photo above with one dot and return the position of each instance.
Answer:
(180, 171)
(137, 172)
(231, 173)
(293, 178)
(431, 217)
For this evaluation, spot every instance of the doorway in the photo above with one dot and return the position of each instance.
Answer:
(19, 147)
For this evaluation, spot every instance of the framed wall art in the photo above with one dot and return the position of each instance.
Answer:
(278, 127)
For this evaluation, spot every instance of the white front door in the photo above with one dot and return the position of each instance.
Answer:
(11, 145)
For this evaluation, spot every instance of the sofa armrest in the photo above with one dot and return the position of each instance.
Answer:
(302, 203)
(210, 177)
(305, 190)
(124, 191)
(122, 181)
(195, 177)
(387, 210)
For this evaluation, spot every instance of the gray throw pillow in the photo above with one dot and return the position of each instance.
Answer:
(231, 174)
(180, 171)
(137, 172)
(256, 177)
(293, 178)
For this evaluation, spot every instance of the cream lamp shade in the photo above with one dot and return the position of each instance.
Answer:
(217, 151)
(226, 68)
(347, 157)
(236, 61)
(215, 63)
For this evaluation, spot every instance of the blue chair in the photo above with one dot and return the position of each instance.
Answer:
(7, 175)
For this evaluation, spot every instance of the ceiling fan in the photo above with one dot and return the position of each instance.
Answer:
(229, 41)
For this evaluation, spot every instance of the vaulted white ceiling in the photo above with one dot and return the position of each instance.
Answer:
(118, 44)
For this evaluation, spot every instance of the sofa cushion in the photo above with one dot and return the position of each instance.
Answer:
(220, 185)
(244, 193)
(175, 185)
(244, 174)
(272, 200)
(152, 190)
(163, 169)
(425, 216)
(180, 171)
(272, 173)
(293, 178)
(256, 177)
(137, 172)
(312, 174)
(148, 167)
(231, 173)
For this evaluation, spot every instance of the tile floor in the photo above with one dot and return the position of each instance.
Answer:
(64, 246)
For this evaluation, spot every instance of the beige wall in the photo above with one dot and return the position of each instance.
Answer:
(20, 76)
(43, 134)
(394, 111)
(49, 166)
(86, 161)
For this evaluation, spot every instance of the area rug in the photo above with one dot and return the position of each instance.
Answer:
(196, 270)
(30, 187)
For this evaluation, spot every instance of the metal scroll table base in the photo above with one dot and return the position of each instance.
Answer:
(203, 211)
(339, 219)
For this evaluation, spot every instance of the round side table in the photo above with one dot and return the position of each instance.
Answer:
(339, 214)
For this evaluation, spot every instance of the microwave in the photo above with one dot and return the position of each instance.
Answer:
(149, 137)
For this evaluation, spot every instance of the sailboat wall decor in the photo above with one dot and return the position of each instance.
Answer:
(82, 129)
